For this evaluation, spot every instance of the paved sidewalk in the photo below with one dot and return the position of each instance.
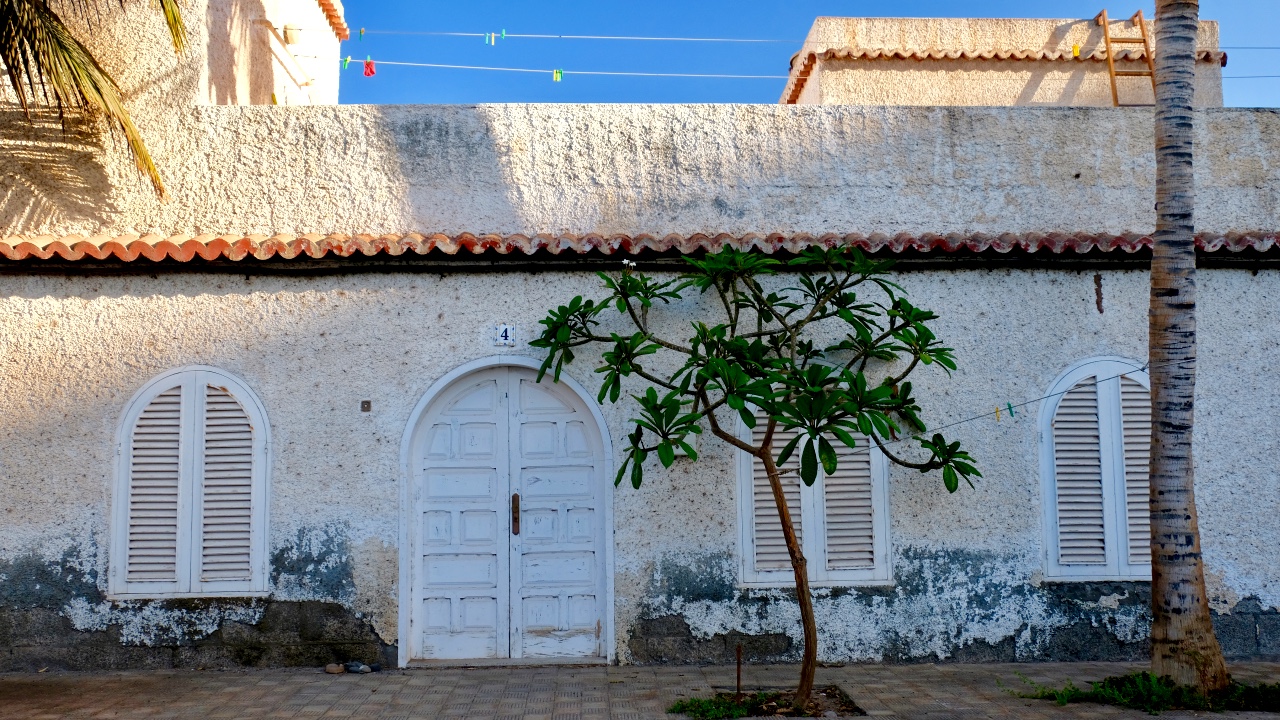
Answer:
(546, 693)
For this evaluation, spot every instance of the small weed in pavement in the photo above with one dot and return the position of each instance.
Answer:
(766, 704)
(723, 705)
(1144, 691)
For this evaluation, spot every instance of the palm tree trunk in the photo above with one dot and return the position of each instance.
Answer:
(1183, 645)
(809, 665)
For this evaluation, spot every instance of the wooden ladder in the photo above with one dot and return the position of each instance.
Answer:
(1143, 40)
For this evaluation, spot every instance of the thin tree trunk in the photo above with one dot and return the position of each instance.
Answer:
(808, 666)
(1183, 645)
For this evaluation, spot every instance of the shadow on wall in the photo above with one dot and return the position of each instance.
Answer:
(50, 173)
(240, 63)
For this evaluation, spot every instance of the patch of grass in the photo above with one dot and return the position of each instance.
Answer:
(766, 704)
(1144, 691)
(723, 705)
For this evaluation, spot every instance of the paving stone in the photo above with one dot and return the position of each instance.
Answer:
(552, 693)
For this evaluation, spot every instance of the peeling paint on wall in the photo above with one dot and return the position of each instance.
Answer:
(153, 623)
(54, 614)
(943, 605)
(315, 567)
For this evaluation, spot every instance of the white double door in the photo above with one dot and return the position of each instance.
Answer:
(509, 544)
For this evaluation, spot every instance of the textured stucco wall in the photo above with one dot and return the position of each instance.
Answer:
(982, 82)
(978, 34)
(249, 60)
(967, 566)
(636, 169)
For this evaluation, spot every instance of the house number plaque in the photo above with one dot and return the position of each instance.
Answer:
(504, 335)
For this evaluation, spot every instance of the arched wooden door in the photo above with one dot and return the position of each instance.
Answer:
(507, 522)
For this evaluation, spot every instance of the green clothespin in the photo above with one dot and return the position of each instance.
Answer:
(1010, 406)
(557, 75)
(346, 61)
(504, 33)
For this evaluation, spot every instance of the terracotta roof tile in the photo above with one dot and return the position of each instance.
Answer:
(334, 13)
(807, 62)
(184, 248)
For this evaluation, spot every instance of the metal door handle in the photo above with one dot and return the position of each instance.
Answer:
(515, 513)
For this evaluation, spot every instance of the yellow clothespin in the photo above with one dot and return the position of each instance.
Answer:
(997, 413)
(1075, 51)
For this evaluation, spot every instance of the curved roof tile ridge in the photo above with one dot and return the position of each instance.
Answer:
(795, 85)
(334, 13)
(186, 248)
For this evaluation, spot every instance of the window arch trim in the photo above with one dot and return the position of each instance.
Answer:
(1108, 368)
(188, 378)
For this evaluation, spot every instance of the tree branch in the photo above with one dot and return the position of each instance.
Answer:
(922, 467)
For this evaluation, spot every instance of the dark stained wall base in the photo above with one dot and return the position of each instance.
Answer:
(1248, 633)
(669, 640)
(944, 606)
(289, 634)
(53, 614)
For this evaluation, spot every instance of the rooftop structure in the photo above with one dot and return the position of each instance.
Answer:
(975, 61)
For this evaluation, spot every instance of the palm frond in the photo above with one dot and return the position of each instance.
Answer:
(177, 28)
(42, 58)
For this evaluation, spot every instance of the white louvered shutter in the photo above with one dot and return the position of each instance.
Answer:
(1077, 467)
(154, 484)
(1135, 410)
(769, 545)
(227, 479)
(847, 503)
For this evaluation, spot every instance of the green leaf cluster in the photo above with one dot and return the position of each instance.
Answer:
(760, 354)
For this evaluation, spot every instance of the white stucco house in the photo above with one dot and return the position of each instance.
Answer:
(280, 418)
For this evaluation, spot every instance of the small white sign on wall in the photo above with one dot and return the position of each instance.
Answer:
(504, 335)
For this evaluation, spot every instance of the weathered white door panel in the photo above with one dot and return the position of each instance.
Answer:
(557, 568)
(482, 590)
(462, 590)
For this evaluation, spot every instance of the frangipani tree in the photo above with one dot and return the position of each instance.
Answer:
(763, 354)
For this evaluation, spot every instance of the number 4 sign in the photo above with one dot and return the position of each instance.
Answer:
(504, 335)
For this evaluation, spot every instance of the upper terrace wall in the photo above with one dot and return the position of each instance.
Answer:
(634, 169)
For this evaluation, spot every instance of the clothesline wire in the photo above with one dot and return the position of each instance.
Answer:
(580, 37)
(579, 72)
(642, 38)
(1145, 367)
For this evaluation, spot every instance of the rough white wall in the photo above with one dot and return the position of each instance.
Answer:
(638, 169)
(249, 58)
(73, 349)
(978, 34)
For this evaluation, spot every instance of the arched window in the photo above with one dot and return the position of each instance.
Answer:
(1095, 449)
(842, 520)
(190, 512)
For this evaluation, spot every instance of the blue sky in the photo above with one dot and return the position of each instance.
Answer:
(1243, 23)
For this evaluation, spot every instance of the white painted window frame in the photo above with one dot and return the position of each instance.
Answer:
(193, 379)
(814, 521)
(1107, 369)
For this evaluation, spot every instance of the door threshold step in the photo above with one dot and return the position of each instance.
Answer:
(510, 662)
